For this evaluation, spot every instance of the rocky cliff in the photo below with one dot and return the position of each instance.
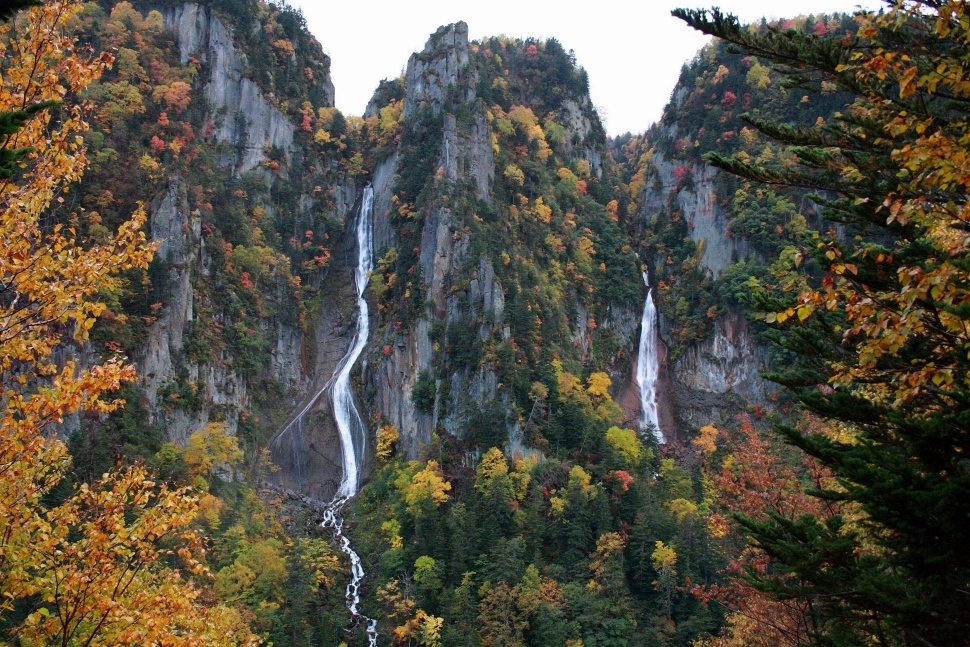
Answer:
(243, 125)
(504, 279)
(247, 202)
(718, 374)
(466, 156)
(240, 117)
(705, 234)
(437, 367)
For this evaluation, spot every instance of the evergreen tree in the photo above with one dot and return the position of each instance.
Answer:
(12, 121)
(881, 337)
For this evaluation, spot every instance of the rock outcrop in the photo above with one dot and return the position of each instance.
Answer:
(241, 116)
(244, 123)
(461, 287)
(441, 65)
(177, 231)
(707, 220)
(714, 379)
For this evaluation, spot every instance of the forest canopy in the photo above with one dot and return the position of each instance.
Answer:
(521, 501)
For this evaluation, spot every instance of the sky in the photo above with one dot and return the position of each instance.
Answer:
(633, 51)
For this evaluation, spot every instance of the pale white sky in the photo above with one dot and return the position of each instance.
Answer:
(633, 51)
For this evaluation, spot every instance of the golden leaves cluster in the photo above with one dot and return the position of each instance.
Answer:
(91, 569)
(931, 152)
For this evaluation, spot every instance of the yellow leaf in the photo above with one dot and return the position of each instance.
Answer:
(907, 85)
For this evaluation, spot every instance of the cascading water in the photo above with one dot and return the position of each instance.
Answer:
(648, 366)
(350, 425)
(353, 433)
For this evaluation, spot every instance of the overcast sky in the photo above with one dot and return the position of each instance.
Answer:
(633, 51)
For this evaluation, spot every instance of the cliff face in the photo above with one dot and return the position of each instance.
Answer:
(713, 376)
(438, 366)
(246, 206)
(465, 156)
(707, 219)
(243, 125)
(178, 233)
(717, 377)
(439, 66)
(240, 116)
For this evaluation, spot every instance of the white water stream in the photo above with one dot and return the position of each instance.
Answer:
(353, 432)
(648, 365)
(334, 520)
(350, 425)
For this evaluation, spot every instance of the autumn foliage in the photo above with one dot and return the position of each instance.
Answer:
(874, 314)
(755, 482)
(90, 569)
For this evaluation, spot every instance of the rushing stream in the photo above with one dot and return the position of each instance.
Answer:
(647, 365)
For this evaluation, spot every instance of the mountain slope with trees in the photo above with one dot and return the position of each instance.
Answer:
(806, 187)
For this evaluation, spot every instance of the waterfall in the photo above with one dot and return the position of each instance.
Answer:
(350, 425)
(647, 364)
(353, 433)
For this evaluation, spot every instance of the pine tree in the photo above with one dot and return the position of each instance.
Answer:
(881, 339)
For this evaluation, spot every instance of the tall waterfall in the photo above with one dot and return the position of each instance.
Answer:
(647, 364)
(353, 432)
(350, 425)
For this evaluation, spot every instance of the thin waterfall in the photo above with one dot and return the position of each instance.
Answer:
(648, 365)
(353, 433)
(350, 425)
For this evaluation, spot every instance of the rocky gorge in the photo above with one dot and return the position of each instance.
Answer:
(458, 283)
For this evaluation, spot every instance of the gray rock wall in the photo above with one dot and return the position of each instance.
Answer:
(179, 236)
(466, 156)
(242, 117)
(710, 379)
(707, 220)
(441, 65)
(247, 124)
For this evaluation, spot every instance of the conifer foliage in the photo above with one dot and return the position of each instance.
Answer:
(881, 337)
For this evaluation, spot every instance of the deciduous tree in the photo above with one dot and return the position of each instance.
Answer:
(88, 570)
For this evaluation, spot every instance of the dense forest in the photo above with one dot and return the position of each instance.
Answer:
(178, 202)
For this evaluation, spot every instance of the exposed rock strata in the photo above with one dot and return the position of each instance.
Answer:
(246, 124)
(179, 236)
(241, 116)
